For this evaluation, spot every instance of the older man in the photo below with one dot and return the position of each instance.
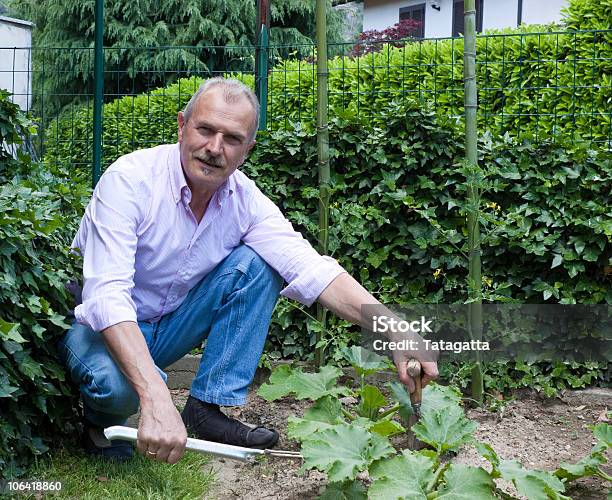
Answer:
(179, 246)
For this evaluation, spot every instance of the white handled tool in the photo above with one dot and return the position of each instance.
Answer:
(201, 446)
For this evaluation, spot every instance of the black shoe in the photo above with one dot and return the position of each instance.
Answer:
(207, 421)
(95, 444)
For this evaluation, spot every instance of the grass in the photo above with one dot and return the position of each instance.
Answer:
(83, 477)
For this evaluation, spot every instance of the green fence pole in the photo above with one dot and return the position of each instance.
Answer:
(98, 90)
(473, 194)
(323, 155)
(261, 59)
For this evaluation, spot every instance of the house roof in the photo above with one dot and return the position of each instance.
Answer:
(19, 22)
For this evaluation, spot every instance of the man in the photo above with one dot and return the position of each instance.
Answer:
(179, 246)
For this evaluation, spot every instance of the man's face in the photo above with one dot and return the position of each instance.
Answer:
(215, 140)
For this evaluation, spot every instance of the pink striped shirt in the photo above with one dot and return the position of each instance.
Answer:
(143, 249)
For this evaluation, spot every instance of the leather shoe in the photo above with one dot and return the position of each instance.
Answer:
(206, 421)
(95, 444)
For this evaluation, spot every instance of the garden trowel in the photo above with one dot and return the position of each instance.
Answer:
(414, 370)
(201, 446)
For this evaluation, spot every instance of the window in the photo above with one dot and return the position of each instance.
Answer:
(458, 26)
(415, 13)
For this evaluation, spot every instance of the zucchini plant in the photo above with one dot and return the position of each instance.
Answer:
(346, 431)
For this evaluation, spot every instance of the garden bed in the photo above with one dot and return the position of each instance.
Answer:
(540, 433)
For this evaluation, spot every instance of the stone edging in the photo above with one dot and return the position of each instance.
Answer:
(181, 373)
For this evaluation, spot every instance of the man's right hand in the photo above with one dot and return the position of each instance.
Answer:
(161, 433)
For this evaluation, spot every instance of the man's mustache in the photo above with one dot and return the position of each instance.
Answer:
(211, 160)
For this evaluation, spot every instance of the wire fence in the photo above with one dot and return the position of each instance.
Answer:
(554, 85)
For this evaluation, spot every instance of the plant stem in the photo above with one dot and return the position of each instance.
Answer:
(388, 412)
(348, 415)
(436, 476)
(504, 495)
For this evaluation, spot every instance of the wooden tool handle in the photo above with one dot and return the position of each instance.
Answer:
(414, 370)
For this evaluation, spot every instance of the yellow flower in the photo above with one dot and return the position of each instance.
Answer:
(437, 273)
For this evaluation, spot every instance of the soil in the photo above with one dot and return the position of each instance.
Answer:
(540, 433)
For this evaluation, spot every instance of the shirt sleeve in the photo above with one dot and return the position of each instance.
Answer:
(107, 240)
(272, 236)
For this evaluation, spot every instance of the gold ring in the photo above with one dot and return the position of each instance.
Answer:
(151, 452)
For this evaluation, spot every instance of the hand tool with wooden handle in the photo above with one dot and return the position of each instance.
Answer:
(201, 446)
(414, 370)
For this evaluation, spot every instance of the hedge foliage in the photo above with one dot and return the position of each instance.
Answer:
(38, 218)
(398, 215)
(530, 85)
(548, 85)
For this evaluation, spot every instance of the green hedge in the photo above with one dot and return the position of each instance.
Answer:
(549, 206)
(550, 85)
(39, 215)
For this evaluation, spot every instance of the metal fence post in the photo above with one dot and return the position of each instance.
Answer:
(98, 90)
(262, 53)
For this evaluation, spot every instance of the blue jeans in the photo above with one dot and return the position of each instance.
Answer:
(231, 307)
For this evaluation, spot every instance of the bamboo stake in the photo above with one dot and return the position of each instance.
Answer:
(471, 151)
(323, 155)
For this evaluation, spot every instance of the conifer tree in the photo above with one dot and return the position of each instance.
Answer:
(191, 32)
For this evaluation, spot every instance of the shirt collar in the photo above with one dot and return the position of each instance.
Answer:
(175, 171)
(178, 182)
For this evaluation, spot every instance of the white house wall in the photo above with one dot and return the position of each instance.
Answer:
(542, 11)
(499, 13)
(16, 60)
(380, 14)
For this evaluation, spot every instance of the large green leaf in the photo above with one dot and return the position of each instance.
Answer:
(403, 398)
(279, 384)
(534, 484)
(463, 482)
(371, 400)
(603, 433)
(587, 466)
(444, 429)
(387, 428)
(404, 476)
(285, 381)
(316, 385)
(348, 490)
(438, 397)
(325, 413)
(343, 451)
(10, 331)
(486, 451)
(365, 362)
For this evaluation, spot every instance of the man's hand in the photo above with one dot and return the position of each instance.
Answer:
(161, 433)
(345, 297)
(430, 369)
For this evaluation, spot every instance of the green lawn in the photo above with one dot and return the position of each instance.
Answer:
(85, 478)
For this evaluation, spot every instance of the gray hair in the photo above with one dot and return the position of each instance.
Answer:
(233, 90)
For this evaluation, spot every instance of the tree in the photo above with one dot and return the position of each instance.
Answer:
(373, 40)
(153, 42)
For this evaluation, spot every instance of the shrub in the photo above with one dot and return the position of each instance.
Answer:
(532, 86)
(372, 40)
(548, 213)
(38, 218)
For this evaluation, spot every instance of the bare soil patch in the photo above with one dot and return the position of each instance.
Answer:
(540, 433)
